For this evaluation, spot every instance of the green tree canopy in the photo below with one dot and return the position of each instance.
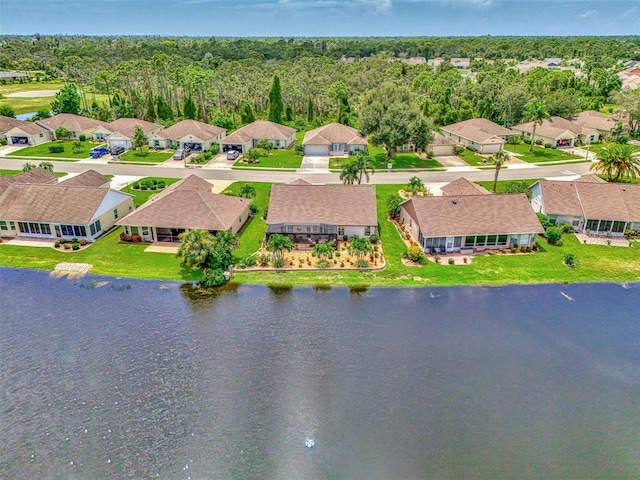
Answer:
(278, 244)
(67, 100)
(139, 138)
(617, 162)
(276, 105)
(63, 134)
(536, 112)
(7, 111)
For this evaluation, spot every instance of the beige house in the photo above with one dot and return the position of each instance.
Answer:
(88, 178)
(248, 136)
(7, 123)
(27, 134)
(590, 119)
(119, 133)
(589, 204)
(38, 175)
(462, 186)
(482, 134)
(186, 205)
(559, 132)
(461, 63)
(441, 145)
(333, 139)
(470, 223)
(76, 124)
(60, 210)
(197, 136)
(319, 213)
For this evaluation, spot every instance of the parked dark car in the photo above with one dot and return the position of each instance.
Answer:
(97, 152)
(116, 150)
(233, 155)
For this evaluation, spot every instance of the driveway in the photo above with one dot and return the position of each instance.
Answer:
(220, 162)
(451, 161)
(314, 164)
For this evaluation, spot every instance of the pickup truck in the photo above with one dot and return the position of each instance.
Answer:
(97, 152)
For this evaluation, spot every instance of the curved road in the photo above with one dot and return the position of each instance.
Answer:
(514, 172)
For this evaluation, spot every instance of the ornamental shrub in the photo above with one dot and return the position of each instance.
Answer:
(554, 235)
(278, 263)
(253, 209)
(362, 263)
(67, 246)
(56, 148)
(135, 185)
(415, 253)
(538, 142)
(263, 260)
(566, 227)
(207, 155)
(526, 140)
(458, 149)
(451, 261)
(250, 261)
(57, 244)
(373, 239)
(213, 278)
(82, 138)
(215, 148)
(570, 259)
(471, 148)
(75, 246)
(322, 264)
(548, 145)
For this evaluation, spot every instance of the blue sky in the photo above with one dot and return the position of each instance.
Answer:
(321, 17)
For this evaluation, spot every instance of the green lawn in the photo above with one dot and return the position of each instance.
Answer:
(502, 184)
(146, 156)
(33, 104)
(108, 256)
(473, 158)
(540, 154)
(278, 158)
(598, 147)
(13, 173)
(42, 150)
(141, 196)
(399, 161)
(255, 230)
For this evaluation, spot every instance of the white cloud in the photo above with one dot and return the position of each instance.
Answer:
(629, 12)
(372, 7)
(587, 14)
(459, 3)
(376, 6)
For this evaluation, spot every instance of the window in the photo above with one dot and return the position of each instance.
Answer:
(481, 240)
(502, 239)
(41, 135)
(308, 229)
(12, 225)
(341, 231)
(45, 229)
(3, 225)
(618, 227)
(67, 230)
(469, 241)
(605, 225)
(95, 227)
(24, 228)
(367, 231)
(240, 219)
(491, 239)
(115, 214)
(145, 231)
(457, 242)
(79, 231)
(34, 227)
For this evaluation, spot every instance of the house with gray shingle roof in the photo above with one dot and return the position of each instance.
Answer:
(333, 139)
(60, 210)
(186, 205)
(470, 222)
(248, 136)
(27, 134)
(462, 186)
(88, 178)
(197, 136)
(590, 206)
(320, 213)
(7, 123)
(559, 132)
(482, 134)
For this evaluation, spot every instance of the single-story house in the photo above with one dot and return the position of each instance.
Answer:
(461, 63)
(13, 76)
(186, 205)
(435, 62)
(76, 124)
(36, 175)
(590, 206)
(119, 133)
(333, 139)
(88, 178)
(462, 186)
(553, 62)
(248, 136)
(441, 145)
(197, 136)
(7, 123)
(316, 213)
(470, 222)
(559, 132)
(591, 119)
(27, 134)
(60, 211)
(482, 134)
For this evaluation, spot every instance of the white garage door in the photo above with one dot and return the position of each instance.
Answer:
(119, 143)
(316, 150)
(491, 148)
(439, 150)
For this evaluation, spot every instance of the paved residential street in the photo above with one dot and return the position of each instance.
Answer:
(512, 172)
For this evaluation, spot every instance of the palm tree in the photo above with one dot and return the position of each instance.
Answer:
(364, 166)
(498, 159)
(359, 246)
(322, 250)
(617, 161)
(393, 205)
(349, 173)
(46, 165)
(278, 244)
(28, 166)
(247, 191)
(415, 185)
(536, 112)
(195, 248)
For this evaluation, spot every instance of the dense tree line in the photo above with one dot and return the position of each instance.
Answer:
(303, 82)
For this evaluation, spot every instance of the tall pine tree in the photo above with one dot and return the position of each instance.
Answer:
(310, 110)
(276, 105)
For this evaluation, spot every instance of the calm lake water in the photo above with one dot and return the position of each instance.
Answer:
(138, 379)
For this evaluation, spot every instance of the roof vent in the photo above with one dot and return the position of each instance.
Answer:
(454, 201)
